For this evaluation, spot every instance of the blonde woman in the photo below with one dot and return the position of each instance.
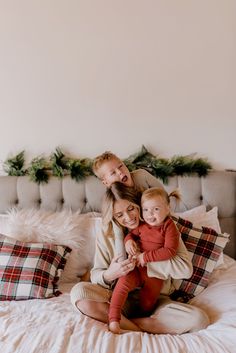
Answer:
(121, 206)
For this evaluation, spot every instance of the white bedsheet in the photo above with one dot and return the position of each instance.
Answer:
(54, 326)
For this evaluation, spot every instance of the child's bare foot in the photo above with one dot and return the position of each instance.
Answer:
(114, 327)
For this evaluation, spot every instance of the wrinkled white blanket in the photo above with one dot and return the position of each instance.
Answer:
(54, 326)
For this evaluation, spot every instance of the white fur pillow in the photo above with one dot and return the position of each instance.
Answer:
(192, 213)
(65, 228)
(200, 217)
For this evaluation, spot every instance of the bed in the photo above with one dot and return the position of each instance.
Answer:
(66, 212)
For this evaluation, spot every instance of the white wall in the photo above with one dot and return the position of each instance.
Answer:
(94, 75)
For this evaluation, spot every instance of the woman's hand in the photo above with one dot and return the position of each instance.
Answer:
(118, 268)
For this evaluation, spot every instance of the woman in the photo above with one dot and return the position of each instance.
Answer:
(121, 207)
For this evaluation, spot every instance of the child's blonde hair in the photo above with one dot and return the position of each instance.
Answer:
(101, 159)
(155, 191)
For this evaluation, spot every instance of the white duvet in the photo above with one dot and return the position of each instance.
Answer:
(54, 326)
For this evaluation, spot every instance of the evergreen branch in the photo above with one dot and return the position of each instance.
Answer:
(182, 165)
(14, 166)
(80, 168)
(131, 166)
(39, 170)
(139, 156)
(185, 165)
(201, 166)
(162, 168)
(59, 163)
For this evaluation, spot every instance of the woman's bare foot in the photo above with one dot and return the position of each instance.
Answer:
(114, 327)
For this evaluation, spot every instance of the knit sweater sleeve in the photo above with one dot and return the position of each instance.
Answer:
(104, 253)
(169, 248)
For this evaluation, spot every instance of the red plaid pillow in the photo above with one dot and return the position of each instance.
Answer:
(204, 246)
(30, 270)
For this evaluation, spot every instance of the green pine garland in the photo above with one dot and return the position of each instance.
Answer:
(39, 170)
(14, 166)
(80, 168)
(165, 168)
(60, 165)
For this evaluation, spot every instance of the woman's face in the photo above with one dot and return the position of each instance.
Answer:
(126, 213)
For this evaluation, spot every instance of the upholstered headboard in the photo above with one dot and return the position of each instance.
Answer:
(217, 189)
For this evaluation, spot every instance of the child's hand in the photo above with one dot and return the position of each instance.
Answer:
(140, 260)
(131, 247)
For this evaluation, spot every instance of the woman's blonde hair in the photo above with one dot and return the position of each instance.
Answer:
(117, 191)
(155, 191)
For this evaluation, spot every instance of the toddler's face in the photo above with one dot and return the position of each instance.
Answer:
(155, 210)
(115, 170)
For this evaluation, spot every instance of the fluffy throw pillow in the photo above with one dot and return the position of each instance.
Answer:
(30, 270)
(191, 214)
(200, 217)
(4, 223)
(205, 246)
(72, 229)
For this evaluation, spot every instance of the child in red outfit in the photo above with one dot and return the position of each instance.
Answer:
(156, 239)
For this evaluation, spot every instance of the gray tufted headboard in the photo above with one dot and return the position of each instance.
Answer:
(217, 189)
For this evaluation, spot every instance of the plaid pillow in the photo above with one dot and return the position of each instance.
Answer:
(30, 270)
(204, 246)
